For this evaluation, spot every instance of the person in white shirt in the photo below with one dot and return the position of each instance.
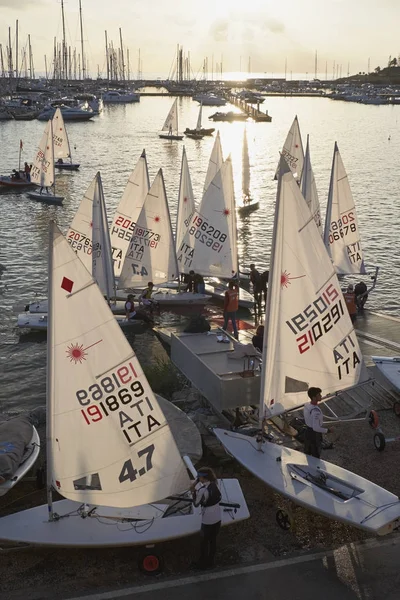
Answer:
(206, 494)
(313, 418)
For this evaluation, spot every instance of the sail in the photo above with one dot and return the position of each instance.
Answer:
(79, 234)
(245, 167)
(102, 262)
(151, 252)
(309, 338)
(128, 211)
(293, 151)
(211, 235)
(42, 172)
(309, 189)
(186, 204)
(60, 137)
(215, 162)
(198, 126)
(110, 442)
(342, 235)
(171, 122)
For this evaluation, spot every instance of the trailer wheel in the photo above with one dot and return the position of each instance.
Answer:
(396, 409)
(151, 563)
(379, 441)
(373, 419)
(284, 519)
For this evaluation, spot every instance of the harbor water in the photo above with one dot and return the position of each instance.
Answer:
(369, 142)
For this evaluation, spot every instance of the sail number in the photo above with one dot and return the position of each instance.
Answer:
(209, 230)
(317, 318)
(128, 471)
(340, 228)
(79, 242)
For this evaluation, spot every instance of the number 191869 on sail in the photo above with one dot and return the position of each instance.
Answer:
(122, 393)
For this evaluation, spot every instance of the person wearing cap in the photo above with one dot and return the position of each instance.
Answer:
(206, 494)
(350, 299)
(313, 418)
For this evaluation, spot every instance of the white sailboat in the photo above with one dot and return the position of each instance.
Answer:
(342, 234)
(42, 172)
(186, 204)
(171, 124)
(62, 147)
(309, 341)
(309, 188)
(151, 254)
(200, 131)
(128, 211)
(293, 151)
(96, 389)
(215, 162)
(248, 203)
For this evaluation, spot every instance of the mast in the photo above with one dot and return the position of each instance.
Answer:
(107, 59)
(82, 52)
(128, 76)
(16, 48)
(122, 56)
(329, 205)
(10, 58)
(45, 66)
(54, 59)
(138, 75)
(49, 380)
(2, 61)
(64, 48)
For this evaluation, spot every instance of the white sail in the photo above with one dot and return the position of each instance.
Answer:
(342, 235)
(171, 122)
(245, 167)
(102, 262)
(309, 338)
(186, 205)
(42, 172)
(128, 211)
(79, 234)
(198, 126)
(110, 444)
(60, 137)
(211, 234)
(151, 253)
(215, 162)
(309, 189)
(293, 151)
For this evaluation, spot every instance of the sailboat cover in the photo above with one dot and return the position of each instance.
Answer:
(42, 172)
(128, 211)
(151, 253)
(309, 189)
(60, 137)
(110, 442)
(342, 235)
(293, 151)
(309, 337)
(102, 262)
(210, 244)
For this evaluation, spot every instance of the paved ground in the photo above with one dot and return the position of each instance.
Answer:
(368, 571)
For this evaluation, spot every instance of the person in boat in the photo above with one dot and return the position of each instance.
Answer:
(189, 281)
(361, 293)
(350, 299)
(313, 418)
(206, 493)
(198, 284)
(27, 172)
(145, 297)
(255, 280)
(60, 161)
(15, 175)
(231, 305)
(132, 314)
(258, 339)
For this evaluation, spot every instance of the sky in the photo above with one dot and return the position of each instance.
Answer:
(269, 32)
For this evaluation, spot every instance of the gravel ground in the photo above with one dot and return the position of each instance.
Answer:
(35, 574)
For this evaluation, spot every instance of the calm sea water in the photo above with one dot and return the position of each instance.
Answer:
(112, 144)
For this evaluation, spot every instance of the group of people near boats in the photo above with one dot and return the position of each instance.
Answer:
(17, 175)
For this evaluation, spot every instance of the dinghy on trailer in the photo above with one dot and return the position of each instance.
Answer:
(62, 147)
(42, 172)
(309, 340)
(131, 490)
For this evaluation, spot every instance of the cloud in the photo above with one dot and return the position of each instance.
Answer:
(219, 30)
(273, 26)
(18, 4)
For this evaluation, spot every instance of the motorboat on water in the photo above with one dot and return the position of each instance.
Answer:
(210, 99)
(229, 116)
(69, 113)
(116, 97)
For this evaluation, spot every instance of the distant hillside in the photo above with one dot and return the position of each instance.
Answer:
(387, 76)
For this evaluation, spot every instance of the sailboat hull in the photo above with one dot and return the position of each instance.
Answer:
(248, 208)
(217, 292)
(390, 368)
(67, 166)
(36, 321)
(166, 136)
(114, 527)
(31, 455)
(46, 198)
(316, 484)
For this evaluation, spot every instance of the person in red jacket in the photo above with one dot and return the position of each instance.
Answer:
(231, 305)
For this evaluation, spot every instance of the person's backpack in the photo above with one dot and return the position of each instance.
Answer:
(214, 495)
(197, 324)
